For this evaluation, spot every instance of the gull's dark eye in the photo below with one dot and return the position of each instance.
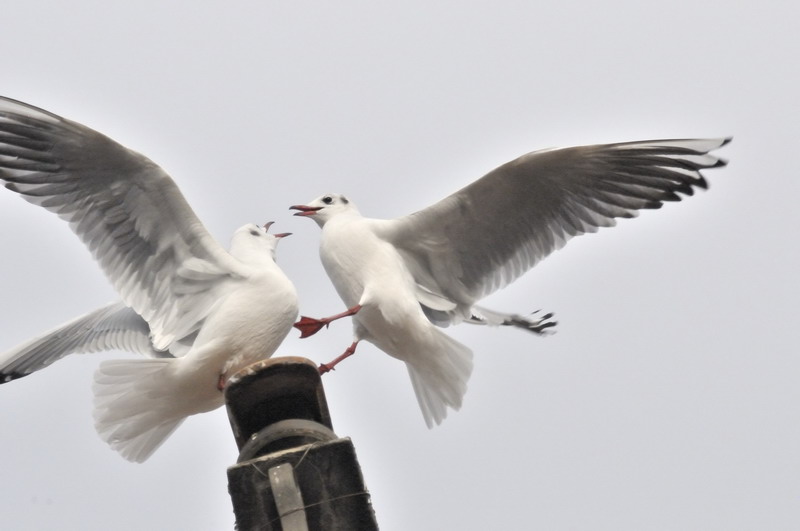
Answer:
(255, 232)
(327, 200)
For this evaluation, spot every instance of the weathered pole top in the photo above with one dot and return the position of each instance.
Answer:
(293, 472)
(277, 394)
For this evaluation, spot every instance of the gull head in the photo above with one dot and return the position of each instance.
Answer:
(325, 207)
(253, 240)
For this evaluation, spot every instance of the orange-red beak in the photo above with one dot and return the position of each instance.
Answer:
(305, 210)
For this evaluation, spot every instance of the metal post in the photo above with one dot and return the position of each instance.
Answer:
(293, 472)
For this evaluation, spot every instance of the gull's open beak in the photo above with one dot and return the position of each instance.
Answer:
(268, 224)
(305, 210)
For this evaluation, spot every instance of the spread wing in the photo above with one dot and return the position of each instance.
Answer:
(487, 234)
(127, 210)
(115, 326)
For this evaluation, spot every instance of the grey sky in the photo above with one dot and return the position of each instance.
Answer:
(668, 399)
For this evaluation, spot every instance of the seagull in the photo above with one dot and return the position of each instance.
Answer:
(197, 312)
(401, 277)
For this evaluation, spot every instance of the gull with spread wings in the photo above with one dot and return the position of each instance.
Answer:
(399, 278)
(197, 312)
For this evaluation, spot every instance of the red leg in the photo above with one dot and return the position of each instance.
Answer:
(309, 326)
(221, 382)
(325, 367)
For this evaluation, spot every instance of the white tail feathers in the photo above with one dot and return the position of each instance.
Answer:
(137, 405)
(439, 376)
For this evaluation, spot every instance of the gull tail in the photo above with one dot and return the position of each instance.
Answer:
(439, 371)
(138, 404)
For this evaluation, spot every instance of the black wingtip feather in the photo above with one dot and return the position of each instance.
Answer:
(6, 377)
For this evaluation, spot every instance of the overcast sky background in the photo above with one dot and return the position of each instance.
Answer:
(669, 397)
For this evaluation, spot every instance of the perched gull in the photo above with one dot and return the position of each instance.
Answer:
(198, 312)
(400, 277)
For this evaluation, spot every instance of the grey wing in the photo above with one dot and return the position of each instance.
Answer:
(112, 327)
(125, 208)
(486, 235)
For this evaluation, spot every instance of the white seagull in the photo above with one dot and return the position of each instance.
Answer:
(199, 312)
(400, 277)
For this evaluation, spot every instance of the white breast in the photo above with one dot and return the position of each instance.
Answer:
(368, 270)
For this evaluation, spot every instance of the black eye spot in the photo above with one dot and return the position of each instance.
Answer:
(327, 200)
(254, 232)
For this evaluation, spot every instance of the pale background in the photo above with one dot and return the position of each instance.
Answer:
(669, 397)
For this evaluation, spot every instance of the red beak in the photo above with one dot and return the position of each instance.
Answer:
(305, 210)
(268, 224)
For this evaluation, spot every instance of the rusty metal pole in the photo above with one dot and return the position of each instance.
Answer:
(293, 472)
